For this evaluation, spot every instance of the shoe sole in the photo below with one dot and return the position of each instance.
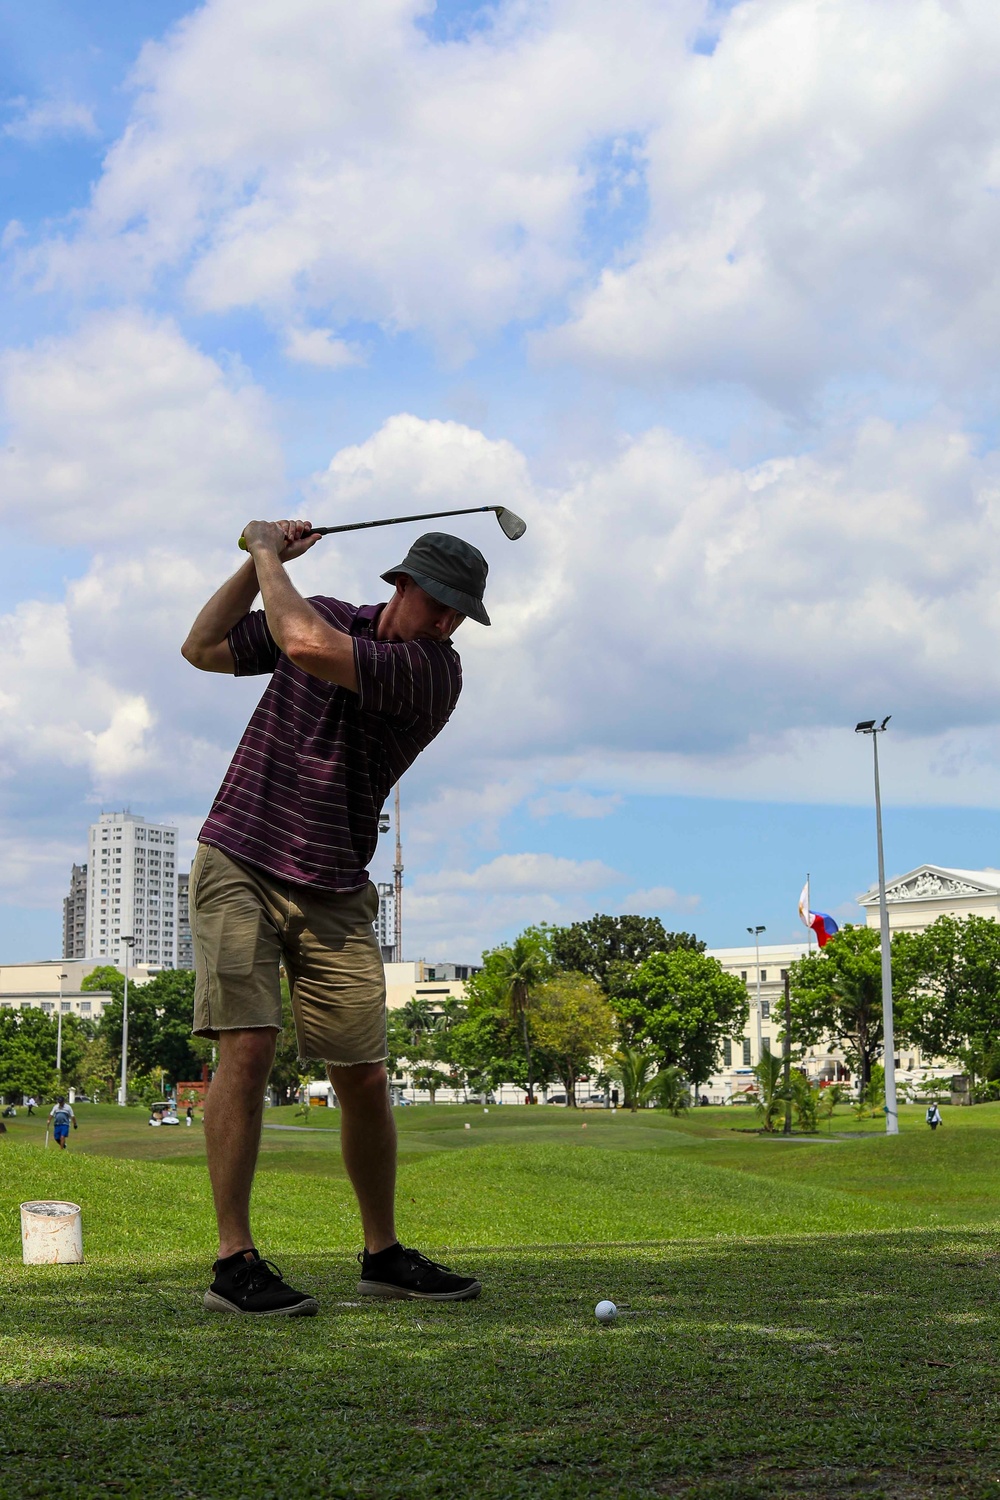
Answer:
(388, 1291)
(307, 1309)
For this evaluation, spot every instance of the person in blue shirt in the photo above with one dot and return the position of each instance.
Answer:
(61, 1114)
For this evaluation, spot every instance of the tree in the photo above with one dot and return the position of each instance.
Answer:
(636, 1072)
(837, 993)
(418, 1018)
(608, 948)
(27, 1052)
(949, 983)
(770, 1094)
(671, 1090)
(487, 1043)
(573, 1022)
(680, 1005)
(106, 977)
(159, 1026)
(523, 966)
(430, 1079)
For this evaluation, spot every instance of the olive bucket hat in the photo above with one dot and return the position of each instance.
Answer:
(452, 571)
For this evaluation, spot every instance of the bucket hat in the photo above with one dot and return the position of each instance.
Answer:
(452, 571)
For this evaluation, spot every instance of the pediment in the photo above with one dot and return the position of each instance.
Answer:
(933, 883)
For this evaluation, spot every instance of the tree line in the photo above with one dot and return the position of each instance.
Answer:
(611, 998)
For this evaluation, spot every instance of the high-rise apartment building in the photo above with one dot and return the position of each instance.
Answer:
(132, 890)
(385, 922)
(185, 948)
(75, 915)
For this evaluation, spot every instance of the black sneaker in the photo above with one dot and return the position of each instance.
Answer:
(398, 1272)
(246, 1284)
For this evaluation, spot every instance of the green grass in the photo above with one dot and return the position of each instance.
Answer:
(805, 1318)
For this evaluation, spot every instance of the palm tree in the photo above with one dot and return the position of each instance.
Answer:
(523, 969)
(672, 1090)
(418, 1018)
(635, 1071)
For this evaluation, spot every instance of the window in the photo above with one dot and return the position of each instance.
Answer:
(765, 1010)
(765, 1043)
(85, 1007)
(727, 1053)
(746, 1052)
(763, 976)
(743, 975)
(784, 975)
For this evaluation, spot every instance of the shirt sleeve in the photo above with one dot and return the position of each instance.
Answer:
(407, 679)
(252, 645)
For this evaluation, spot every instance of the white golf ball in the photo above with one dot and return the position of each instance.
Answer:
(605, 1312)
(468, 1127)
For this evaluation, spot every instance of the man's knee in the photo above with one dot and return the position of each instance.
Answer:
(250, 1052)
(365, 1085)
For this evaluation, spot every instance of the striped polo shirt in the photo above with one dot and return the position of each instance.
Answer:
(303, 793)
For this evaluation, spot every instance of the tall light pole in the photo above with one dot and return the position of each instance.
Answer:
(870, 726)
(123, 1088)
(755, 933)
(59, 1029)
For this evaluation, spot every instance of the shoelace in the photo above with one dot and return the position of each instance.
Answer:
(256, 1277)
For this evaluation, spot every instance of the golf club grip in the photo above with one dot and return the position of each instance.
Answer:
(427, 515)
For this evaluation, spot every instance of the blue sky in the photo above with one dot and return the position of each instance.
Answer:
(684, 285)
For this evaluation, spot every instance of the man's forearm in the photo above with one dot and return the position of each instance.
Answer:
(308, 640)
(225, 609)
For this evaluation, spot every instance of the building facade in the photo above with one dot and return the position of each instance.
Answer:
(132, 890)
(917, 899)
(53, 985)
(385, 922)
(185, 947)
(75, 915)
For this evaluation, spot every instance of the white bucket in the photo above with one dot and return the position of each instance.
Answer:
(51, 1234)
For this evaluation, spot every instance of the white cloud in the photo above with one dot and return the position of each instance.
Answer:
(524, 872)
(47, 118)
(822, 199)
(574, 802)
(373, 174)
(658, 898)
(124, 432)
(319, 346)
(822, 189)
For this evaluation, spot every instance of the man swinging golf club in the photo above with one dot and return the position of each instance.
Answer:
(280, 874)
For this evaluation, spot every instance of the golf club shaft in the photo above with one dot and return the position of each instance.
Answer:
(428, 515)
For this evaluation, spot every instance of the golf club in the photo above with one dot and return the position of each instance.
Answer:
(511, 525)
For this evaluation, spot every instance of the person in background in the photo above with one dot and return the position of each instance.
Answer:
(30, 1104)
(933, 1116)
(61, 1114)
(189, 1114)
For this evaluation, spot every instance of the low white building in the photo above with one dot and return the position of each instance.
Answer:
(38, 985)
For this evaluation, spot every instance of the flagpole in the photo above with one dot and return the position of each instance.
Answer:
(809, 931)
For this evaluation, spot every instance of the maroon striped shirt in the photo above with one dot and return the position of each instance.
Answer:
(303, 793)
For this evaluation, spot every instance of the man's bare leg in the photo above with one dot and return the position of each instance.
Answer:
(234, 1109)
(368, 1146)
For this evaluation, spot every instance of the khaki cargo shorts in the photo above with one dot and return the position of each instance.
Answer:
(245, 923)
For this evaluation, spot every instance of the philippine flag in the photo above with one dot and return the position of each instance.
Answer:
(823, 926)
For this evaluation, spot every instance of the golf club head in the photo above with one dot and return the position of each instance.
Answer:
(513, 526)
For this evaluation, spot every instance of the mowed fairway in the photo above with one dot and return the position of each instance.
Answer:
(808, 1317)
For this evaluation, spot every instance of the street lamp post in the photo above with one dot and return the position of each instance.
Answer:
(59, 1028)
(123, 1088)
(870, 726)
(755, 933)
